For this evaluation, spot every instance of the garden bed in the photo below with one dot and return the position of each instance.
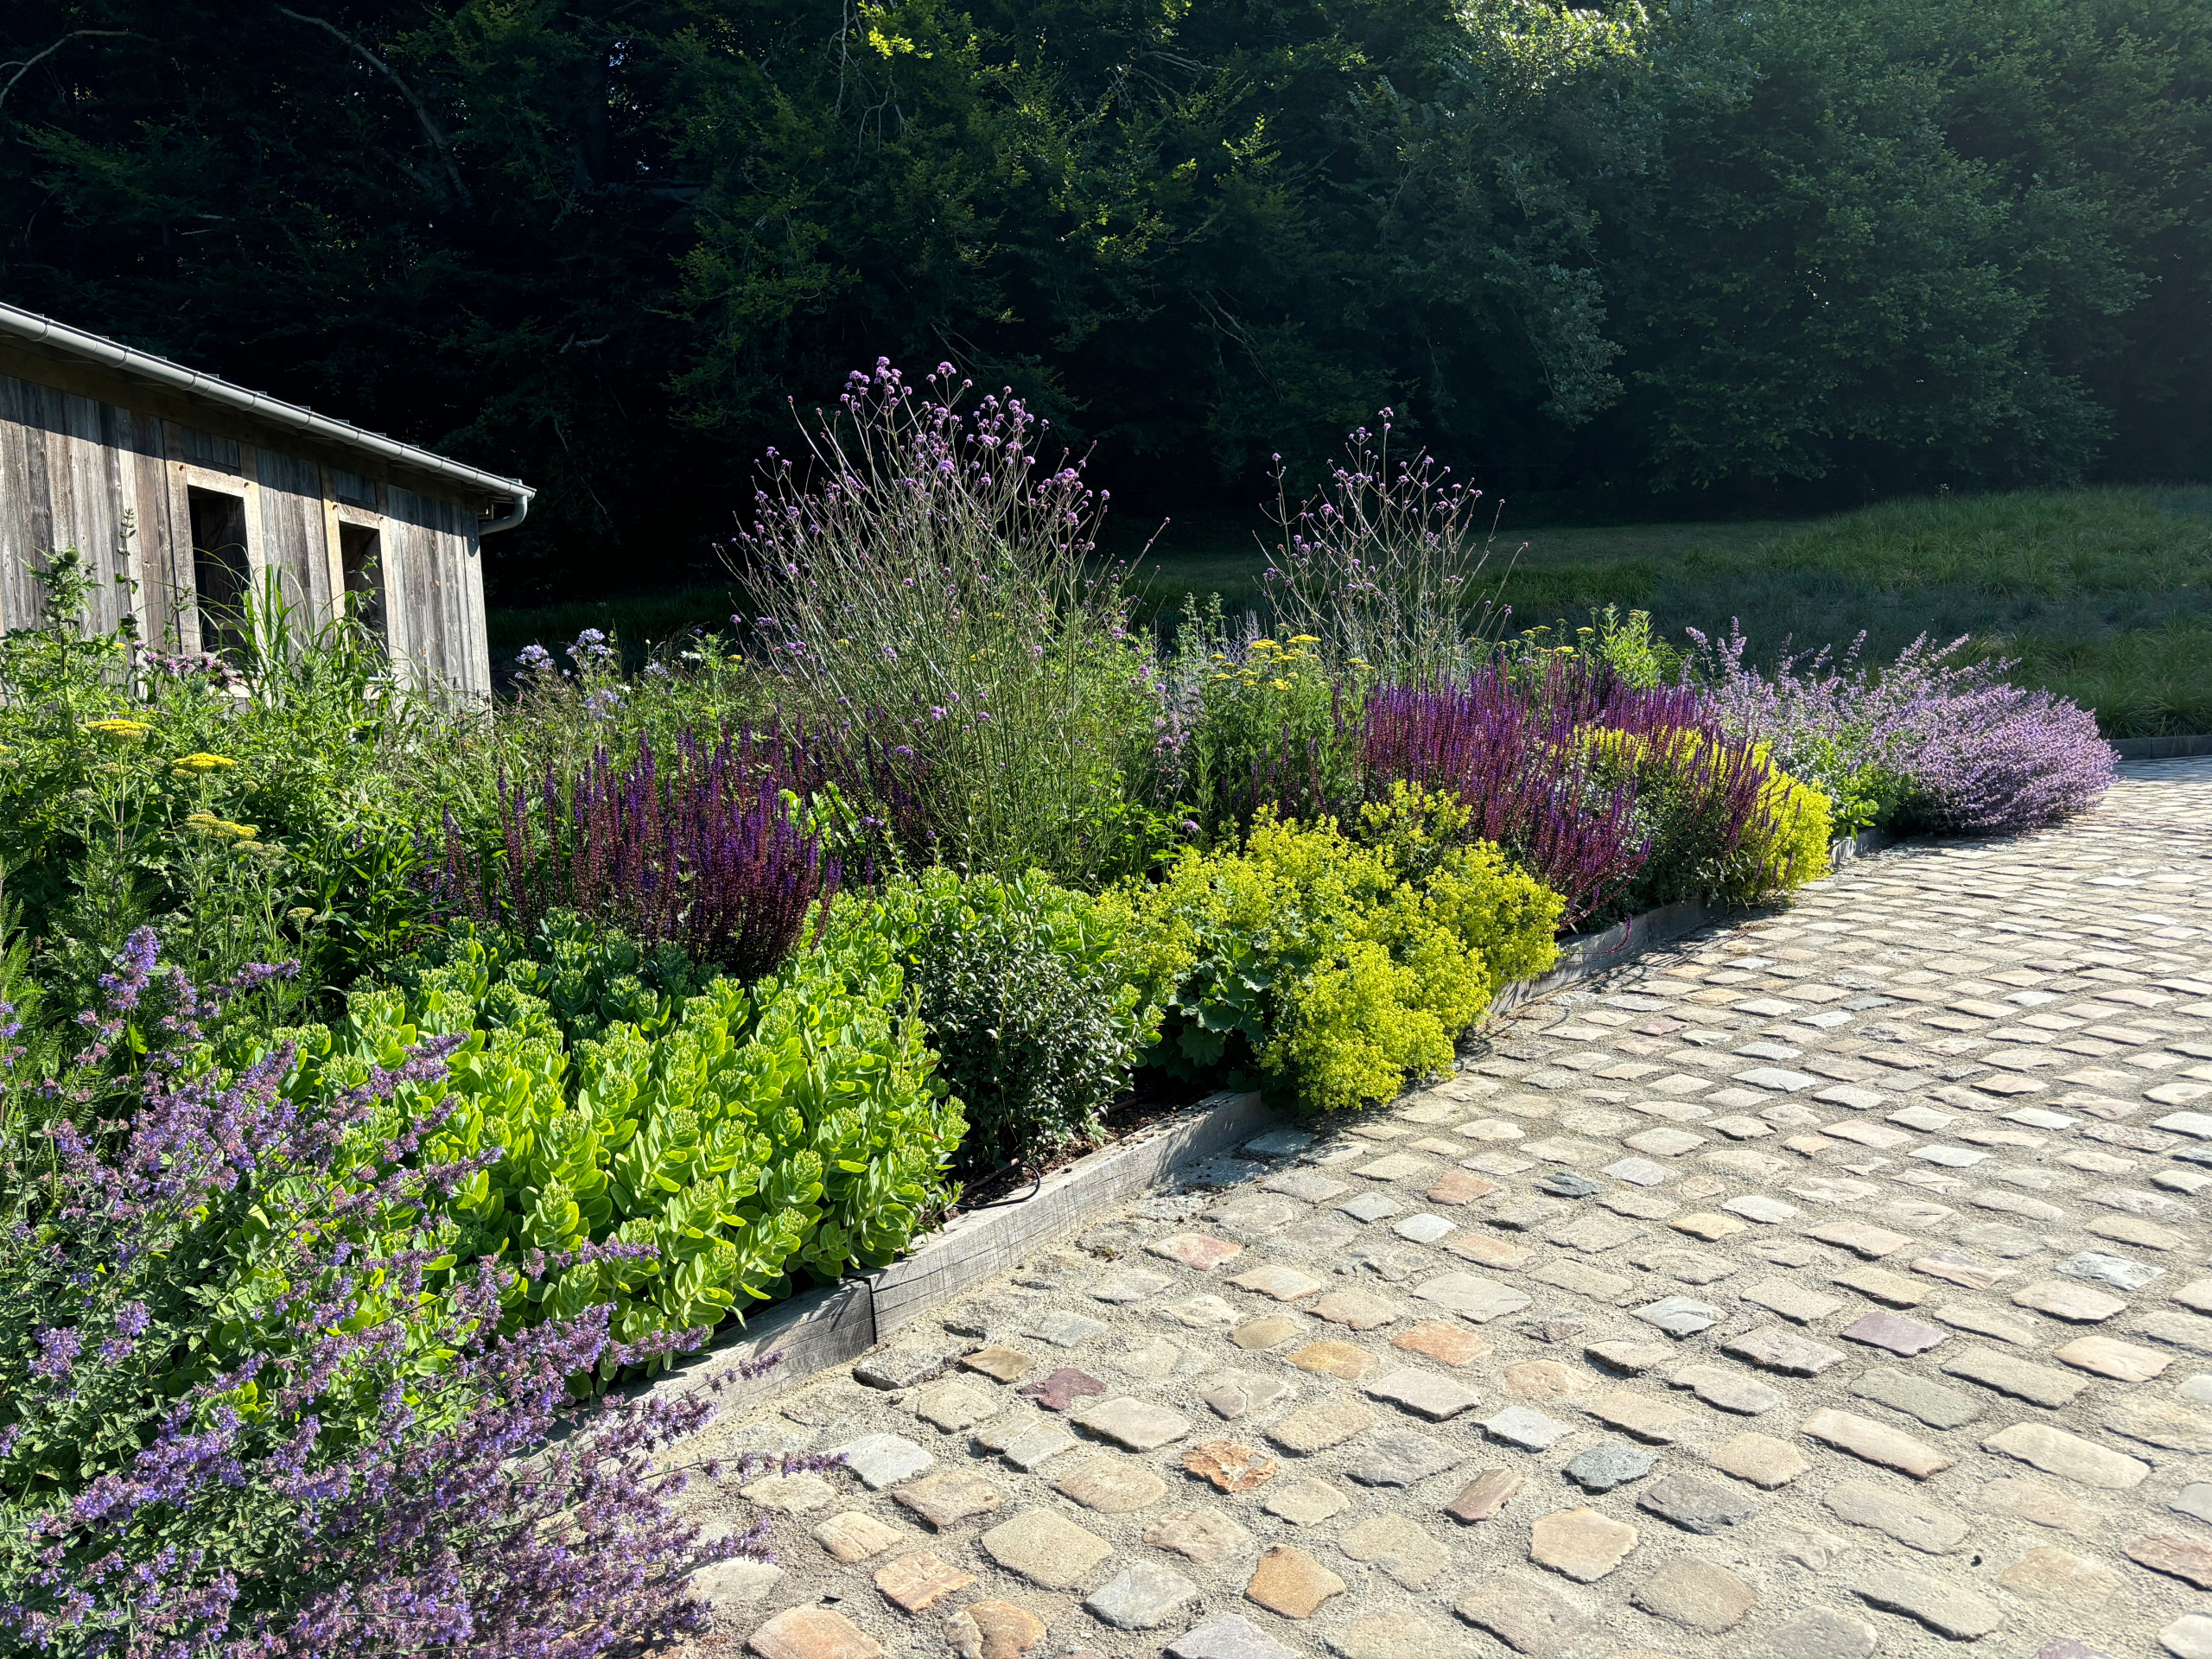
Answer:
(349, 1159)
(832, 1325)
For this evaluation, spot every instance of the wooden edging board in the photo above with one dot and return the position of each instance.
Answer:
(836, 1324)
(2159, 749)
(832, 1325)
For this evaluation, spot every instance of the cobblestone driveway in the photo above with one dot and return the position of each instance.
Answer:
(1835, 1285)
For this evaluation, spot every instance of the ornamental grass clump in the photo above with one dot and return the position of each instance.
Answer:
(251, 1404)
(1924, 741)
(703, 850)
(930, 601)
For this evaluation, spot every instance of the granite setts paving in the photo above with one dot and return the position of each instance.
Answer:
(1835, 1283)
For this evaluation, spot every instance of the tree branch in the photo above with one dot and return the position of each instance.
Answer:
(37, 58)
(431, 131)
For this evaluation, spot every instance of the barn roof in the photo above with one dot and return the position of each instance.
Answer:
(130, 361)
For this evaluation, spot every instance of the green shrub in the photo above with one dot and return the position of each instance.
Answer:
(1726, 822)
(249, 819)
(749, 1132)
(1863, 794)
(1316, 963)
(1022, 988)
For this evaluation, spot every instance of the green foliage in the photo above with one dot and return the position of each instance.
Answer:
(748, 1134)
(1687, 789)
(254, 820)
(1021, 986)
(1313, 962)
(1270, 722)
(589, 977)
(1863, 794)
(1918, 234)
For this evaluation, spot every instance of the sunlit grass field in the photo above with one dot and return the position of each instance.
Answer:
(2104, 594)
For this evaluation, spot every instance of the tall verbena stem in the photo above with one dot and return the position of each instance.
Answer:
(927, 595)
(1384, 565)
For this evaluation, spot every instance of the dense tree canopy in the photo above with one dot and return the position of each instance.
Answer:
(1847, 245)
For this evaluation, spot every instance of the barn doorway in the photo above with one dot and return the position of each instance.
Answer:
(221, 572)
(361, 554)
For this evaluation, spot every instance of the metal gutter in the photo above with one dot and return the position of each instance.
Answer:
(45, 331)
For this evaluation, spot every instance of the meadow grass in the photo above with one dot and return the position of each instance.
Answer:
(2104, 594)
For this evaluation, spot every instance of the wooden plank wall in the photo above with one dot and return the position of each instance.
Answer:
(69, 468)
(71, 465)
(294, 536)
(434, 592)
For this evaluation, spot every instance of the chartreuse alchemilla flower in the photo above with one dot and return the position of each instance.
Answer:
(121, 729)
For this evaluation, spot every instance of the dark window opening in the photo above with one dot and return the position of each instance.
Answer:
(221, 572)
(360, 555)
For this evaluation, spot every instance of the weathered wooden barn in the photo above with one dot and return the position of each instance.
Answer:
(223, 486)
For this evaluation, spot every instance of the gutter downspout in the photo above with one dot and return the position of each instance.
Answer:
(506, 520)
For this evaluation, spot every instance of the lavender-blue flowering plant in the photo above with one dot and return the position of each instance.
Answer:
(251, 1404)
(930, 602)
(1926, 740)
(701, 847)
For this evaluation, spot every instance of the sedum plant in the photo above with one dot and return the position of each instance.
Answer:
(743, 1136)
(1331, 971)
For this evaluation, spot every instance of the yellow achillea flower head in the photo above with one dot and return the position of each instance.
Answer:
(202, 763)
(121, 729)
(208, 824)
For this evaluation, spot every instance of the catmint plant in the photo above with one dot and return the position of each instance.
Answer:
(250, 1403)
(1925, 739)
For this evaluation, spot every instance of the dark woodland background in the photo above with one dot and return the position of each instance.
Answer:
(1689, 258)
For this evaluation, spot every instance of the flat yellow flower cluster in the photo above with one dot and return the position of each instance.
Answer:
(1277, 665)
(122, 730)
(199, 765)
(246, 835)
